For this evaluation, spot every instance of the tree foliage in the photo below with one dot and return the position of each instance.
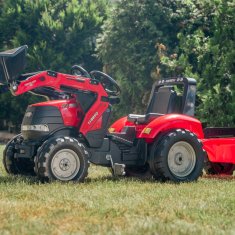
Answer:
(143, 40)
(207, 52)
(132, 36)
(59, 34)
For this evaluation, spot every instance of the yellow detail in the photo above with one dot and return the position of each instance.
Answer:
(147, 130)
(111, 130)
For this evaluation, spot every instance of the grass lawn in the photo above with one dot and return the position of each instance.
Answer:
(103, 205)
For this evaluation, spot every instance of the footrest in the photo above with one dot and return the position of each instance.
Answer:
(120, 139)
(119, 169)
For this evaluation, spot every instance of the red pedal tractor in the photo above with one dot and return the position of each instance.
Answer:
(61, 136)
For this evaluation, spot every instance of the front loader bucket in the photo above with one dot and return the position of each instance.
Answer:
(12, 63)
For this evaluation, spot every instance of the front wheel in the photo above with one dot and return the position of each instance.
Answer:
(63, 159)
(178, 157)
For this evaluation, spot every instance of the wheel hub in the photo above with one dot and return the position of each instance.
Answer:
(65, 164)
(181, 159)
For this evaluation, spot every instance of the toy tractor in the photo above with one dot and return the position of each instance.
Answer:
(61, 136)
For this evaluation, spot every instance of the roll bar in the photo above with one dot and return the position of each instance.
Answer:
(189, 93)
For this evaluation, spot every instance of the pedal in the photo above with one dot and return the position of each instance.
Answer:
(119, 169)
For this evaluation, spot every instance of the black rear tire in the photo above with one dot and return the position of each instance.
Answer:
(64, 159)
(13, 166)
(178, 157)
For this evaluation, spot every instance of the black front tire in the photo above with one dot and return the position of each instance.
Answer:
(13, 166)
(64, 159)
(178, 157)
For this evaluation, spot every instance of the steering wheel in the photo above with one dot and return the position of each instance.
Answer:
(79, 71)
(109, 84)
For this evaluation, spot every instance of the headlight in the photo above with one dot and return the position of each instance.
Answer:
(44, 128)
(111, 130)
(147, 130)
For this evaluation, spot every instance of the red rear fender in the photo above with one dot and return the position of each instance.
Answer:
(118, 125)
(171, 121)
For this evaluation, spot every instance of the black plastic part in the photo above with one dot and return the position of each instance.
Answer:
(52, 73)
(50, 93)
(94, 82)
(41, 115)
(217, 132)
(98, 156)
(134, 151)
(17, 159)
(85, 98)
(12, 63)
(111, 100)
(135, 155)
(127, 135)
(26, 149)
(63, 131)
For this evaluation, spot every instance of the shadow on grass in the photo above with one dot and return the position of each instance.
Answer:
(117, 179)
(33, 180)
(16, 179)
(220, 177)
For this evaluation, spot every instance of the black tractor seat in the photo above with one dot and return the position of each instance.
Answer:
(162, 101)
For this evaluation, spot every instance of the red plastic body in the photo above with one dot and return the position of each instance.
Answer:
(161, 125)
(70, 109)
(217, 149)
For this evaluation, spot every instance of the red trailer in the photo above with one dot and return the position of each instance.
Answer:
(219, 144)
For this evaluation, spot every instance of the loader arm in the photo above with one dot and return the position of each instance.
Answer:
(59, 82)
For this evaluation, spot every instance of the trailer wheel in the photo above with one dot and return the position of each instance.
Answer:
(215, 168)
(178, 157)
(16, 166)
(63, 159)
